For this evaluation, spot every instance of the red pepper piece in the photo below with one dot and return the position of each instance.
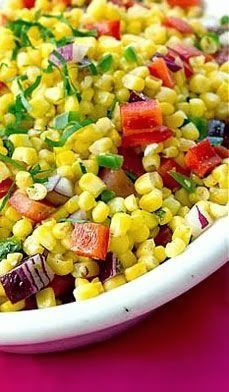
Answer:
(202, 158)
(62, 285)
(106, 27)
(222, 151)
(187, 51)
(132, 161)
(178, 24)
(140, 116)
(159, 69)
(168, 164)
(3, 20)
(5, 186)
(184, 3)
(157, 135)
(164, 236)
(124, 3)
(90, 240)
(34, 210)
(117, 181)
(28, 3)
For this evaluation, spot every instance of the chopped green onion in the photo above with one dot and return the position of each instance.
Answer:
(112, 161)
(160, 213)
(131, 175)
(73, 220)
(9, 146)
(11, 161)
(84, 33)
(186, 182)
(86, 63)
(130, 54)
(107, 195)
(67, 133)
(111, 110)
(33, 87)
(105, 63)
(61, 121)
(6, 197)
(83, 168)
(224, 20)
(202, 126)
(209, 43)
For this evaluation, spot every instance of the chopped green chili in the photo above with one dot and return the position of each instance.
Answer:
(112, 161)
(186, 182)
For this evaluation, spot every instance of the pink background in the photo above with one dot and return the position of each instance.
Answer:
(183, 346)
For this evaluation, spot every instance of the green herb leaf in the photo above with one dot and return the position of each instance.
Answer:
(86, 63)
(107, 195)
(209, 43)
(9, 146)
(131, 175)
(112, 161)
(160, 213)
(10, 245)
(105, 63)
(83, 168)
(84, 33)
(111, 110)
(36, 170)
(130, 54)
(32, 87)
(61, 121)
(73, 220)
(202, 126)
(186, 182)
(69, 131)
(11, 161)
(6, 197)
(224, 20)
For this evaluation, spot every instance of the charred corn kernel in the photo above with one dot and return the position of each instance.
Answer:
(200, 193)
(114, 282)
(167, 95)
(183, 232)
(86, 291)
(59, 265)
(183, 197)
(151, 162)
(219, 196)
(27, 155)
(146, 248)
(133, 82)
(9, 307)
(23, 180)
(150, 261)
(210, 99)
(120, 224)
(151, 201)
(86, 201)
(189, 131)
(164, 215)
(199, 84)
(45, 238)
(197, 107)
(175, 247)
(217, 211)
(61, 230)
(167, 108)
(117, 205)
(172, 204)
(12, 214)
(22, 228)
(175, 222)
(37, 192)
(46, 298)
(159, 253)
(100, 212)
(4, 171)
(135, 271)
(86, 269)
(119, 245)
(131, 203)
(91, 183)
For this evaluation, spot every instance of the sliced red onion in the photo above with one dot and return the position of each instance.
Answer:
(80, 214)
(27, 279)
(198, 219)
(56, 199)
(52, 182)
(64, 187)
(172, 62)
(203, 220)
(70, 52)
(136, 97)
(109, 268)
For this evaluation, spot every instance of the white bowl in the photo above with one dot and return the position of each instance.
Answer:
(78, 324)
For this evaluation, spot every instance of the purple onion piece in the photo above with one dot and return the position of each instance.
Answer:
(109, 268)
(203, 220)
(52, 182)
(172, 63)
(136, 97)
(27, 279)
(80, 214)
(70, 52)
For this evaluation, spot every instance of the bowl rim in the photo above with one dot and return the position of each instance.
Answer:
(124, 303)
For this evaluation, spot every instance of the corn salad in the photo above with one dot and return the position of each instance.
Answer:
(114, 142)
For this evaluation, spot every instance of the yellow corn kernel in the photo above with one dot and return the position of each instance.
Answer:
(147, 182)
(59, 265)
(100, 212)
(171, 152)
(2, 291)
(61, 230)
(172, 204)
(103, 145)
(133, 82)
(150, 261)
(219, 196)
(175, 222)
(45, 238)
(45, 298)
(167, 95)
(86, 291)
(200, 193)
(145, 248)
(27, 155)
(131, 203)
(127, 259)
(4, 171)
(91, 183)
(151, 201)
(175, 120)
(183, 232)
(183, 197)
(86, 201)
(166, 192)
(23, 180)
(189, 131)
(114, 282)
(135, 271)
(220, 174)
(12, 214)
(22, 228)
(167, 108)
(37, 191)
(120, 224)
(86, 269)
(65, 158)
(72, 204)
(119, 245)
(151, 162)
(151, 220)
(39, 106)
(140, 234)
(164, 215)
(175, 247)
(159, 253)
(9, 307)
(183, 211)
(222, 92)
(210, 99)
(199, 84)
(217, 211)
(71, 104)
(197, 107)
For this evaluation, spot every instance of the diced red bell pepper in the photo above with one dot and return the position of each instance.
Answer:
(187, 67)
(187, 51)
(117, 181)
(184, 3)
(33, 210)
(90, 240)
(202, 158)
(3, 88)
(29, 3)
(222, 151)
(132, 161)
(3, 20)
(168, 164)
(178, 24)
(164, 236)
(140, 116)
(5, 186)
(159, 69)
(222, 55)
(106, 27)
(62, 285)
(124, 3)
(156, 135)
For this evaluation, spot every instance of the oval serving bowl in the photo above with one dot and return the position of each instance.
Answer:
(78, 324)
